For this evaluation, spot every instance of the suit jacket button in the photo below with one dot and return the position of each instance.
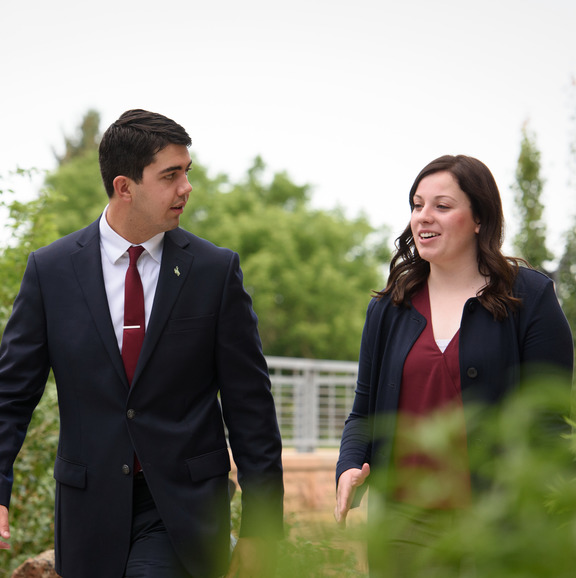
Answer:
(131, 414)
(472, 372)
(126, 470)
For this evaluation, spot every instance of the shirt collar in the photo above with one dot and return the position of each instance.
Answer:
(115, 246)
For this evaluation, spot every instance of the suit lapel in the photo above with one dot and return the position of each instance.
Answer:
(87, 263)
(174, 270)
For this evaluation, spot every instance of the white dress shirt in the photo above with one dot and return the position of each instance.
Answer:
(115, 260)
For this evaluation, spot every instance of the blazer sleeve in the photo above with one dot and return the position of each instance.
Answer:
(546, 350)
(249, 411)
(546, 341)
(24, 367)
(356, 437)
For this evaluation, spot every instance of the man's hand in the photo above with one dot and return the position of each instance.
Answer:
(253, 558)
(347, 484)
(4, 528)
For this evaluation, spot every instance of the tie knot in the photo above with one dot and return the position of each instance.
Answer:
(134, 253)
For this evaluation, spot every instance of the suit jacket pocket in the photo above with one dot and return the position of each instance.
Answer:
(189, 323)
(209, 465)
(70, 473)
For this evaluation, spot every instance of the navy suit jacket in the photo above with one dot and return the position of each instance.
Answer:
(201, 361)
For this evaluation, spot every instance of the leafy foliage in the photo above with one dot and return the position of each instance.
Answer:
(522, 522)
(312, 551)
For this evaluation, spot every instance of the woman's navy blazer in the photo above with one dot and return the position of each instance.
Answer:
(495, 356)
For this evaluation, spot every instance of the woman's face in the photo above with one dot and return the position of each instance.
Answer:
(443, 226)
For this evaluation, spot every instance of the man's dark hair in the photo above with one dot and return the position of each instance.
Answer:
(130, 144)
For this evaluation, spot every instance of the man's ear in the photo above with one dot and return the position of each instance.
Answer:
(122, 187)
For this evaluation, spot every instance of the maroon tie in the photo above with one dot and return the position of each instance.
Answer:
(134, 321)
(134, 318)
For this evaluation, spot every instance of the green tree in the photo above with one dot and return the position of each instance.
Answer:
(566, 273)
(310, 272)
(530, 240)
(76, 194)
(28, 226)
(566, 278)
(86, 139)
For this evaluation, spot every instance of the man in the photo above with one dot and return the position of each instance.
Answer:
(149, 352)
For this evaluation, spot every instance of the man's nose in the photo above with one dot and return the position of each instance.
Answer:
(185, 187)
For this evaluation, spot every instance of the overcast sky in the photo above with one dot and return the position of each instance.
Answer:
(351, 97)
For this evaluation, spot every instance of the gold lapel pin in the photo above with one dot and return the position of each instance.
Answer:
(177, 271)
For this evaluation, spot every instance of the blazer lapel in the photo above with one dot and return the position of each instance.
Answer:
(87, 263)
(175, 267)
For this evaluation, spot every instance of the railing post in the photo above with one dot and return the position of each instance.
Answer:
(306, 415)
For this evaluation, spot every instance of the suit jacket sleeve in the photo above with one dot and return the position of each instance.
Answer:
(249, 411)
(24, 367)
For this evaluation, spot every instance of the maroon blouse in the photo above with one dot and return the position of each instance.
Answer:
(430, 455)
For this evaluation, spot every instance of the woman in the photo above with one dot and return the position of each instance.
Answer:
(458, 322)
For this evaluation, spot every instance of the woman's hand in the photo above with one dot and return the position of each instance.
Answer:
(347, 484)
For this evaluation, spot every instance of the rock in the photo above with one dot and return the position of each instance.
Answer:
(42, 566)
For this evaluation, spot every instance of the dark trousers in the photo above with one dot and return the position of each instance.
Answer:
(151, 552)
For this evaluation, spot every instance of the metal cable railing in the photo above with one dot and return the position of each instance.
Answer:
(313, 399)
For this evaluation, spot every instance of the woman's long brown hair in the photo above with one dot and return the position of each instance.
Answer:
(408, 271)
